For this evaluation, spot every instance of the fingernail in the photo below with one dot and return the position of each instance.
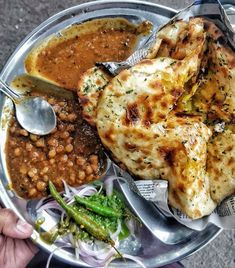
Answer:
(24, 227)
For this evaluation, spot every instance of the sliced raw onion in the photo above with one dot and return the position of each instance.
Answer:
(39, 204)
(67, 192)
(108, 184)
(53, 214)
(53, 252)
(115, 235)
(101, 188)
(90, 251)
(126, 256)
(131, 225)
(50, 205)
(96, 253)
(89, 190)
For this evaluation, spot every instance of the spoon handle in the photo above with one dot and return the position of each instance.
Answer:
(8, 91)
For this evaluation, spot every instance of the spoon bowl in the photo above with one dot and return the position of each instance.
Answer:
(34, 114)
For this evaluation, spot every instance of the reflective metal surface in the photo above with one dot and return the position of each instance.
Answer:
(153, 252)
(166, 229)
(34, 114)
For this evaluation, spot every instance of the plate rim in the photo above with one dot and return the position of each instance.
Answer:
(3, 76)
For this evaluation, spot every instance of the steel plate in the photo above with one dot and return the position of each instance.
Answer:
(152, 251)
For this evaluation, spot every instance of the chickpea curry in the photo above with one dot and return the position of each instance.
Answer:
(73, 151)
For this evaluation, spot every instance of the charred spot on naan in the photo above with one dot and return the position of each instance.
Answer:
(89, 89)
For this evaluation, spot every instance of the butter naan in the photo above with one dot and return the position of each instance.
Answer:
(220, 165)
(158, 118)
(136, 121)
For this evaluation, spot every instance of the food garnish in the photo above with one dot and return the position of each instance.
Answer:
(92, 220)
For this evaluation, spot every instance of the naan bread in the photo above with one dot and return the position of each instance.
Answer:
(159, 119)
(215, 95)
(221, 165)
(174, 150)
(141, 122)
(90, 86)
(135, 121)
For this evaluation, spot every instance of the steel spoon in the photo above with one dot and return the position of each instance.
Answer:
(34, 114)
(166, 229)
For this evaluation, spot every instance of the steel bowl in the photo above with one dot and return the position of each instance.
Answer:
(151, 250)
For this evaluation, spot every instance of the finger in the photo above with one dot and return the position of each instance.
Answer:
(16, 253)
(24, 252)
(13, 227)
(32, 246)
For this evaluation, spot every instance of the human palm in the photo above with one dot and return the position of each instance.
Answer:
(16, 250)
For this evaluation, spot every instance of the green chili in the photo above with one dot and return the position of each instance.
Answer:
(97, 208)
(81, 219)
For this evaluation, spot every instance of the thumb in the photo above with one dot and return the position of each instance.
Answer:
(13, 227)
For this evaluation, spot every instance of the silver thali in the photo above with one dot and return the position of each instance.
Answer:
(152, 251)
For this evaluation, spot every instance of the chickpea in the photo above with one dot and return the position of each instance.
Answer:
(33, 137)
(23, 170)
(34, 178)
(93, 159)
(58, 181)
(40, 143)
(56, 108)
(90, 177)
(12, 142)
(34, 155)
(72, 178)
(24, 132)
(80, 161)
(64, 135)
(70, 127)
(61, 103)
(44, 170)
(70, 163)
(45, 178)
(17, 152)
(69, 148)
(52, 142)
(60, 149)
(32, 172)
(63, 116)
(72, 117)
(51, 101)
(88, 170)
(69, 140)
(64, 158)
(52, 161)
(41, 186)
(32, 192)
(81, 175)
(61, 167)
(61, 127)
(52, 153)
(29, 146)
(13, 130)
(94, 167)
